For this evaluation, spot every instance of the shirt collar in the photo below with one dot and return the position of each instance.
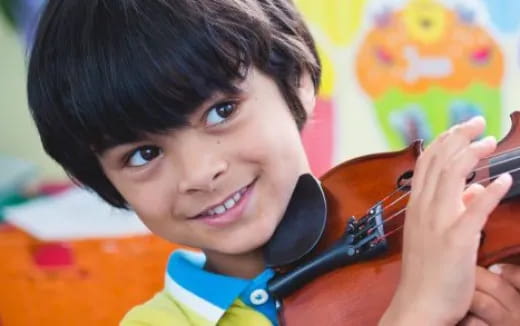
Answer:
(206, 293)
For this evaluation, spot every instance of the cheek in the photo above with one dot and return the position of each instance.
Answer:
(272, 138)
(283, 148)
(276, 150)
(151, 203)
(158, 217)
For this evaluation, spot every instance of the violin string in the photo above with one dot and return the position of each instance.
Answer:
(469, 184)
(388, 234)
(391, 194)
(482, 180)
(408, 192)
(475, 170)
(498, 163)
(397, 200)
(388, 220)
(494, 176)
(501, 153)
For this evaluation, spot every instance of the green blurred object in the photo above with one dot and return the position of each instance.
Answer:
(15, 174)
(7, 6)
(10, 200)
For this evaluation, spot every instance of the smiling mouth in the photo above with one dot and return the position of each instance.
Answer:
(227, 204)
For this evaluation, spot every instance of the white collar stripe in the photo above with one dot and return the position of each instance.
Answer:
(202, 307)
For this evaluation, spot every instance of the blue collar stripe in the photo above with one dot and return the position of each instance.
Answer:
(185, 271)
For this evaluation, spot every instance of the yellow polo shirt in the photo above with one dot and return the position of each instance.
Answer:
(194, 296)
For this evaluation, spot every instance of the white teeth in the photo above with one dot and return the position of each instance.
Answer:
(231, 202)
(220, 209)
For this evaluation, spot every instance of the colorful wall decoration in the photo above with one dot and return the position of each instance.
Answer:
(426, 68)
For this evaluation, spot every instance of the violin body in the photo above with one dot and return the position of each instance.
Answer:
(359, 294)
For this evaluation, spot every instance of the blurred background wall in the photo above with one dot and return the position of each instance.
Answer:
(18, 136)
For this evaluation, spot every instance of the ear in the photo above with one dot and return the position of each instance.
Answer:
(307, 93)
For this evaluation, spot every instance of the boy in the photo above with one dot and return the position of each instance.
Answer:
(189, 112)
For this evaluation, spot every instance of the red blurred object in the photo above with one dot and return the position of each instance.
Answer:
(53, 255)
(318, 137)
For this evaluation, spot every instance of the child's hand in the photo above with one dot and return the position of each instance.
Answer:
(442, 229)
(497, 299)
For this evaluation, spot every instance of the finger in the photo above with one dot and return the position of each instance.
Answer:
(421, 166)
(423, 163)
(442, 151)
(460, 136)
(419, 172)
(471, 192)
(478, 210)
(452, 179)
(488, 309)
(510, 273)
(498, 288)
(472, 320)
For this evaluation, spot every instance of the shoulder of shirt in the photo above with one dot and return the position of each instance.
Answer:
(161, 310)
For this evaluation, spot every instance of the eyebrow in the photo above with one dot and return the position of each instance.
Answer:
(218, 95)
(109, 147)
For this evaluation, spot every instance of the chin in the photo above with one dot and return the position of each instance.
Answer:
(248, 243)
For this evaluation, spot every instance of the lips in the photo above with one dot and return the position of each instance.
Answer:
(220, 216)
(225, 205)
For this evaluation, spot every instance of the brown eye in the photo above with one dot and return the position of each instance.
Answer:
(143, 155)
(219, 113)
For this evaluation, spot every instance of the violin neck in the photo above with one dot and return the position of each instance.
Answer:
(508, 162)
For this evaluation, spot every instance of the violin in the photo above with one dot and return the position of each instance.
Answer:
(338, 249)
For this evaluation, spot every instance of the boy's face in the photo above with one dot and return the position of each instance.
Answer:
(223, 183)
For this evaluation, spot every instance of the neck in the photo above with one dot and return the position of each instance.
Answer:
(246, 265)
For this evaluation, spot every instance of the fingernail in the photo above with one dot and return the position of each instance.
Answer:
(497, 269)
(505, 178)
(490, 139)
(486, 141)
(476, 118)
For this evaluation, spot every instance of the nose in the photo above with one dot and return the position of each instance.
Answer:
(203, 167)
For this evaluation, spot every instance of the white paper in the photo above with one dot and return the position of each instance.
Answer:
(74, 214)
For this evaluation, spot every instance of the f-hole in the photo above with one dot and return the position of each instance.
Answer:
(471, 177)
(404, 183)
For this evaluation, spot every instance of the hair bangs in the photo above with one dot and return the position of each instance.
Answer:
(149, 71)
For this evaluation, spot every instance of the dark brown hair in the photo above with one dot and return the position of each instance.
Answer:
(105, 72)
